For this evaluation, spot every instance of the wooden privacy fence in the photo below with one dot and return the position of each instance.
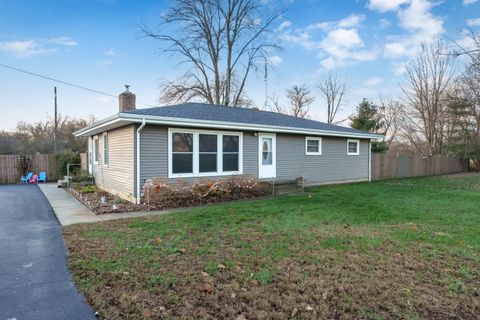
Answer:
(393, 165)
(40, 162)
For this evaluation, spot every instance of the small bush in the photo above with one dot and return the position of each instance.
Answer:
(88, 189)
(81, 176)
(67, 156)
(165, 195)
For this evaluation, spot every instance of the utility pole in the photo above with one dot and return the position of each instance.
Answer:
(56, 121)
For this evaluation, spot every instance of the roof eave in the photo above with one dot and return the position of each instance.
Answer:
(84, 132)
(137, 118)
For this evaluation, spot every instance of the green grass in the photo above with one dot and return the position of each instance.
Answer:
(354, 232)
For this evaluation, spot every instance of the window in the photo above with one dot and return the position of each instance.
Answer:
(197, 153)
(230, 153)
(182, 152)
(313, 146)
(353, 147)
(95, 150)
(207, 144)
(106, 156)
(267, 152)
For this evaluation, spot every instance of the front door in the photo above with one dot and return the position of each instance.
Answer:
(267, 155)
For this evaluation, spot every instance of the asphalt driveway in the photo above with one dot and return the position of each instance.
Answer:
(34, 280)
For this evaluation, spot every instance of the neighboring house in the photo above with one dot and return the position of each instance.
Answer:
(202, 141)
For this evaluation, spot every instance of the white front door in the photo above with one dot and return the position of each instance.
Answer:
(267, 155)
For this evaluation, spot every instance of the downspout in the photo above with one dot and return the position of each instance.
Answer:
(138, 160)
(370, 160)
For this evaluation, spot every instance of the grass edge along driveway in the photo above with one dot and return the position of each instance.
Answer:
(397, 249)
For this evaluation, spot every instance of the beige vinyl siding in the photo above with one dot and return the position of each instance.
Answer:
(118, 177)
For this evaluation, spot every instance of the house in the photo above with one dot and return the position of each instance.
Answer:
(203, 141)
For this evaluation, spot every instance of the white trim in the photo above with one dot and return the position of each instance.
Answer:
(195, 152)
(358, 147)
(105, 134)
(137, 198)
(370, 160)
(196, 123)
(95, 150)
(90, 155)
(319, 153)
(273, 173)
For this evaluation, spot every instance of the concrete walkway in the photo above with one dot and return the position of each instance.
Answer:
(70, 211)
(34, 280)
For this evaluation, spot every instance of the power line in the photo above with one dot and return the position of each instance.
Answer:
(66, 83)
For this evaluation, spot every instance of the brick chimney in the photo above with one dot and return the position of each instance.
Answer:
(126, 100)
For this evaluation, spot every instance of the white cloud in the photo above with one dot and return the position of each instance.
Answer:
(466, 42)
(24, 49)
(299, 37)
(473, 22)
(110, 52)
(421, 25)
(384, 23)
(351, 21)
(340, 39)
(399, 68)
(385, 5)
(418, 18)
(339, 43)
(65, 41)
(275, 60)
(469, 2)
(370, 82)
(284, 25)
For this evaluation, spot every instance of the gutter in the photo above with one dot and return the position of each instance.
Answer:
(138, 160)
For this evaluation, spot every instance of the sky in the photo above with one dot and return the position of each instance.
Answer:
(97, 44)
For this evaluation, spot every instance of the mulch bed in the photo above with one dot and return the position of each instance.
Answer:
(102, 202)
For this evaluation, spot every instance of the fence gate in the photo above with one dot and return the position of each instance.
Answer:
(404, 167)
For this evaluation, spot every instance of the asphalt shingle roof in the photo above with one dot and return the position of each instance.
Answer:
(202, 111)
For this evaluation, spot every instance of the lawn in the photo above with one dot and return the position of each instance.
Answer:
(398, 249)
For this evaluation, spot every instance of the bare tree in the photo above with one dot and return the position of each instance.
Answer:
(277, 106)
(333, 89)
(221, 42)
(428, 75)
(299, 99)
(391, 114)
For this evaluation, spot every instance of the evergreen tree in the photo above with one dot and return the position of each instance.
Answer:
(462, 138)
(368, 118)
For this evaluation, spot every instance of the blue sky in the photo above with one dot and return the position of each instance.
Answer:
(96, 43)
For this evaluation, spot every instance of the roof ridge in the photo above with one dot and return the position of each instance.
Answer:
(248, 109)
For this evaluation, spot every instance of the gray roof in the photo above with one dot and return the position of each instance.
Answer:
(210, 112)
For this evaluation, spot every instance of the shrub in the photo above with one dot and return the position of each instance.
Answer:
(81, 176)
(165, 195)
(67, 156)
(23, 164)
(88, 189)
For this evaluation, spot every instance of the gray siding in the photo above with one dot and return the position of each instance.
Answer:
(333, 165)
(118, 177)
(154, 154)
